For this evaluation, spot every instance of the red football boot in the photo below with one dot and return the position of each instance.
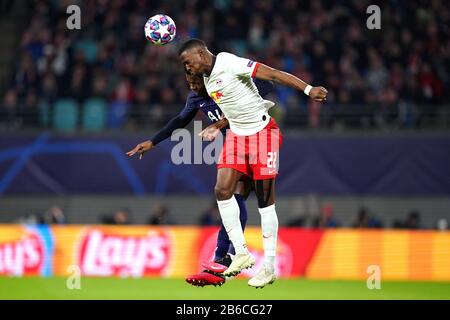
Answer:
(212, 274)
(214, 267)
(205, 278)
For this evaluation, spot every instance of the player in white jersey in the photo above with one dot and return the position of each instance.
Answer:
(251, 147)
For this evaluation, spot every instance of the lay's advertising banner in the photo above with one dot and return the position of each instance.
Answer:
(26, 250)
(143, 251)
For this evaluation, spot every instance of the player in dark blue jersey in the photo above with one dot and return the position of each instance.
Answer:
(198, 100)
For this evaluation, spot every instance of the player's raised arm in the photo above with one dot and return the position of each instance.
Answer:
(141, 148)
(178, 122)
(265, 72)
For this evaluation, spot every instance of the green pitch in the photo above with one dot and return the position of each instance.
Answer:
(174, 289)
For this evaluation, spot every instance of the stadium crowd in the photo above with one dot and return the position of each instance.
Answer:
(322, 217)
(398, 75)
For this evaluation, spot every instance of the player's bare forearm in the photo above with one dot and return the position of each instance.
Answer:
(222, 123)
(265, 72)
(211, 131)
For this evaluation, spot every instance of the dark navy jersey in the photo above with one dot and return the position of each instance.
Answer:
(205, 104)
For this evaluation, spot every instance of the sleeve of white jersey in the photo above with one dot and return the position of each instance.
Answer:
(241, 66)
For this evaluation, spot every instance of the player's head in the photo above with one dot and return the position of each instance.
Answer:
(196, 83)
(194, 55)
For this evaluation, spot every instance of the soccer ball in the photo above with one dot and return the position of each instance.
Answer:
(160, 29)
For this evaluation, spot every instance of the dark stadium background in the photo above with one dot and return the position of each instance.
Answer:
(375, 155)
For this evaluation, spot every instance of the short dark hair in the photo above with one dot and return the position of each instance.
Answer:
(191, 43)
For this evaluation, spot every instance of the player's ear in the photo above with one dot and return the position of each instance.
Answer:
(201, 52)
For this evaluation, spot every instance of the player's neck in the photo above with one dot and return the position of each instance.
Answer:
(211, 63)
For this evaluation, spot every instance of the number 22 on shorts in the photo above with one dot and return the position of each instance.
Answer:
(272, 161)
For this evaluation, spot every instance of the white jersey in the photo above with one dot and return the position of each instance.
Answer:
(231, 87)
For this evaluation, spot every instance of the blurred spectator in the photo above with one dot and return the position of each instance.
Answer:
(411, 222)
(366, 220)
(442, 225)
(26, 76)
(326, 218)
(322, 42)
(119, 217)
(78, 79)
(49, 87)
(118, 109)
(9, 110)
(33, 218)
(159, 215)
(312, 205)
(30, 114)
(397, 224)
(211, 217)
(54, 215)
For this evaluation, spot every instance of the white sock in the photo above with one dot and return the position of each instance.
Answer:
(229, 212)
(269, 227)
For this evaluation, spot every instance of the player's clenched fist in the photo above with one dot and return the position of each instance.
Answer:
(318, 94)
(141, 148)
(210, 133)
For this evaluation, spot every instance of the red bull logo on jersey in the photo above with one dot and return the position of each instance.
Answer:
(104, 254)
(216, 96)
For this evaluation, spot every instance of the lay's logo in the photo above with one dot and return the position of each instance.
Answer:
(216, 96)
(23, 256)
(103, 254)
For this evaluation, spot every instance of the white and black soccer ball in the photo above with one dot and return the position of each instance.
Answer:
(160, 29)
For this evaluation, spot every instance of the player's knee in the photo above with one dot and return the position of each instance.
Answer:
(262, 203)
(264, 199)
(223, 192)
(264, 194)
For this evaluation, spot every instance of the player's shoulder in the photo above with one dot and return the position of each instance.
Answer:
(191, 95)
(192, 99)
(195, 100)
(224, 57)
